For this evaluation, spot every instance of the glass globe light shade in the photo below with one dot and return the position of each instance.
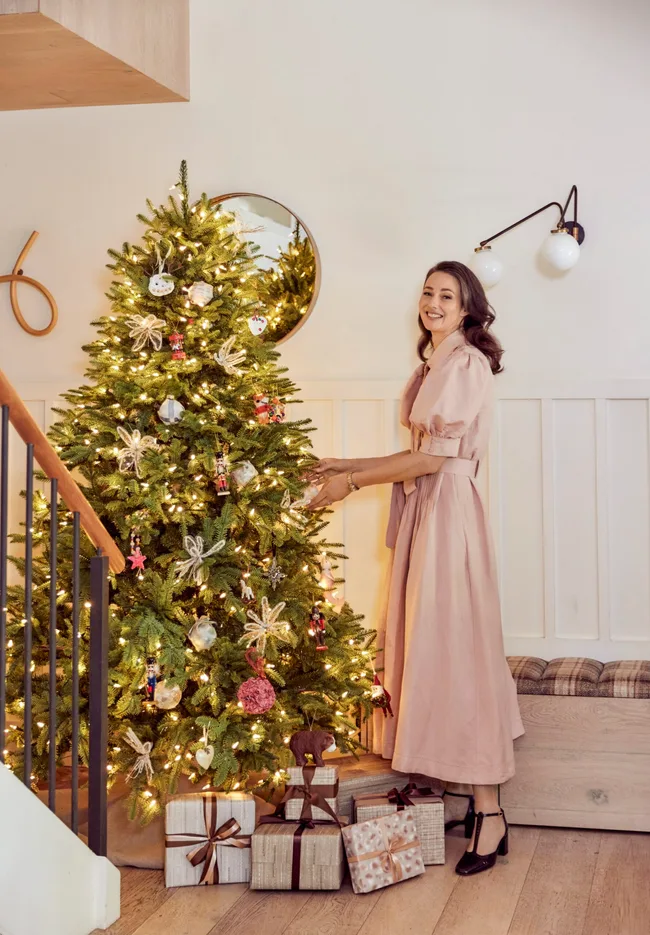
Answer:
(487, 266)
(561, 250)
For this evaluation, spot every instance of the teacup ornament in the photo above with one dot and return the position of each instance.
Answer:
(161, 283)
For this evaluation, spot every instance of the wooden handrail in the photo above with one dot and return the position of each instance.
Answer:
(70, 492)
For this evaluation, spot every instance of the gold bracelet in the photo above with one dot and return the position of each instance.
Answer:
(351, 483)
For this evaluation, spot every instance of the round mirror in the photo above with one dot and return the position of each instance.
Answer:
(288, 265)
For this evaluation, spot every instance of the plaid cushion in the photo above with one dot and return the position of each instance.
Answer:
(572, 675)
(627, 678)
(527, 672)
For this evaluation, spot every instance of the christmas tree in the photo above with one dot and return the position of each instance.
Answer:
(286, 289)
(225, 637)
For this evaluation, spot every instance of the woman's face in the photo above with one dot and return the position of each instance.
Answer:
(441, 311)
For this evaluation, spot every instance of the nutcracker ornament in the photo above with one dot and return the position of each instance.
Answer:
(152, 675)
(317, 626)
(136, 557)
(222, 475)
(277, 410)
(176, 340)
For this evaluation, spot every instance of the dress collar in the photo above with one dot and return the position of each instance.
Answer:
(445, 348)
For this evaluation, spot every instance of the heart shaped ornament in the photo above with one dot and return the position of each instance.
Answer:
(257, 324)
(204, 756)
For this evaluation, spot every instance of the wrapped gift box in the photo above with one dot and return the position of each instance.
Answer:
(383, 851)
(208, 837)
(306, 786)
(368, 774)
(429, 810)
(287, 855)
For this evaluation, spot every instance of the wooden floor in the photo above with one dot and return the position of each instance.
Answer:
(554, 882)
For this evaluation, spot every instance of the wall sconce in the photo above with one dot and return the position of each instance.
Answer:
(561, 248)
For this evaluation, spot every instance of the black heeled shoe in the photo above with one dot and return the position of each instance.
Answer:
(472, 862)
(468, 820)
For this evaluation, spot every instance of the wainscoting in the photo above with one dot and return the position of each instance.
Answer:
(567, 483)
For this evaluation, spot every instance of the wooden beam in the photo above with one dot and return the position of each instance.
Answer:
(74, 53)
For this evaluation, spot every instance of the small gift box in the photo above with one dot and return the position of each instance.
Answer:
(312, 793)
(371, 774)
(208, 838)
(297, 855)
(383, 851)
(429, 812)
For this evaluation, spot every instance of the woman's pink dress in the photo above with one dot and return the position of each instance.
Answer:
(454, 699)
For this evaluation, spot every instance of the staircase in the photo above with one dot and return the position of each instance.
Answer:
(50, 880)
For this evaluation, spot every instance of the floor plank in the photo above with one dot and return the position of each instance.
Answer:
(620, 894)
(192, 910)
(415, 909)
(556, 893)
(262, 911)
(485, 904)
(339, 913)
(142, 892)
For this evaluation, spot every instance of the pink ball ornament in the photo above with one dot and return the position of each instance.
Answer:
(256, 695)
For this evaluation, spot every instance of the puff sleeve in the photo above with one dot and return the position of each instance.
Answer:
(449, 401)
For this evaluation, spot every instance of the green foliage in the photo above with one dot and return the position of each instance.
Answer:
(173, 497)
(286, 289)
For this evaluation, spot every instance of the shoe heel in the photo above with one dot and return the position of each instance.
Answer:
(503, 846)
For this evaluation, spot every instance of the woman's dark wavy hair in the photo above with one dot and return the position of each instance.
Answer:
(478, 320)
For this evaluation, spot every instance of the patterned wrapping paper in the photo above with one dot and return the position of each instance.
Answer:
(207, 838)
(289, 855)
(383, 851)
(307, 783)
(429, 811)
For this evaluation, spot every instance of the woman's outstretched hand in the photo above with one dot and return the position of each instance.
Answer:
(334, 489)
(326, 467)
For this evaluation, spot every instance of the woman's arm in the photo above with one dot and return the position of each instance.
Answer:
(403, 466)
(407, 465)
(329, 467)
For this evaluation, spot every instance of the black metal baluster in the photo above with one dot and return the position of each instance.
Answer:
(74, 745)
(98, 704)
(29, 509)
(51, 797)
(4, 478)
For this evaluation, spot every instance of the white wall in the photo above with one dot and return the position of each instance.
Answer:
(402, 134)
(49, 880)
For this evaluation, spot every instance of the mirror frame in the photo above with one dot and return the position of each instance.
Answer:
(219, 199)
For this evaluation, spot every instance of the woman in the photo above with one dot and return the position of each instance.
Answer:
(455, 702)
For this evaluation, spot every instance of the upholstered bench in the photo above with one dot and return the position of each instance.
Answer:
(584, 761)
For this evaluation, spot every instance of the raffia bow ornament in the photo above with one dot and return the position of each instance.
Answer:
(193, 566)
(229, 359)
(259, 629)
(143, 761)
(145, 329)
(137, 446)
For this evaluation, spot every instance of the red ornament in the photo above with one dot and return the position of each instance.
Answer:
(276, 410)
(261, 401)
(256, 695)
(317, 626)
(176, 341)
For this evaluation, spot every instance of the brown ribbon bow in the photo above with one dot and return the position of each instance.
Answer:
(388, 854)
(312, 795)
(205, 852)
